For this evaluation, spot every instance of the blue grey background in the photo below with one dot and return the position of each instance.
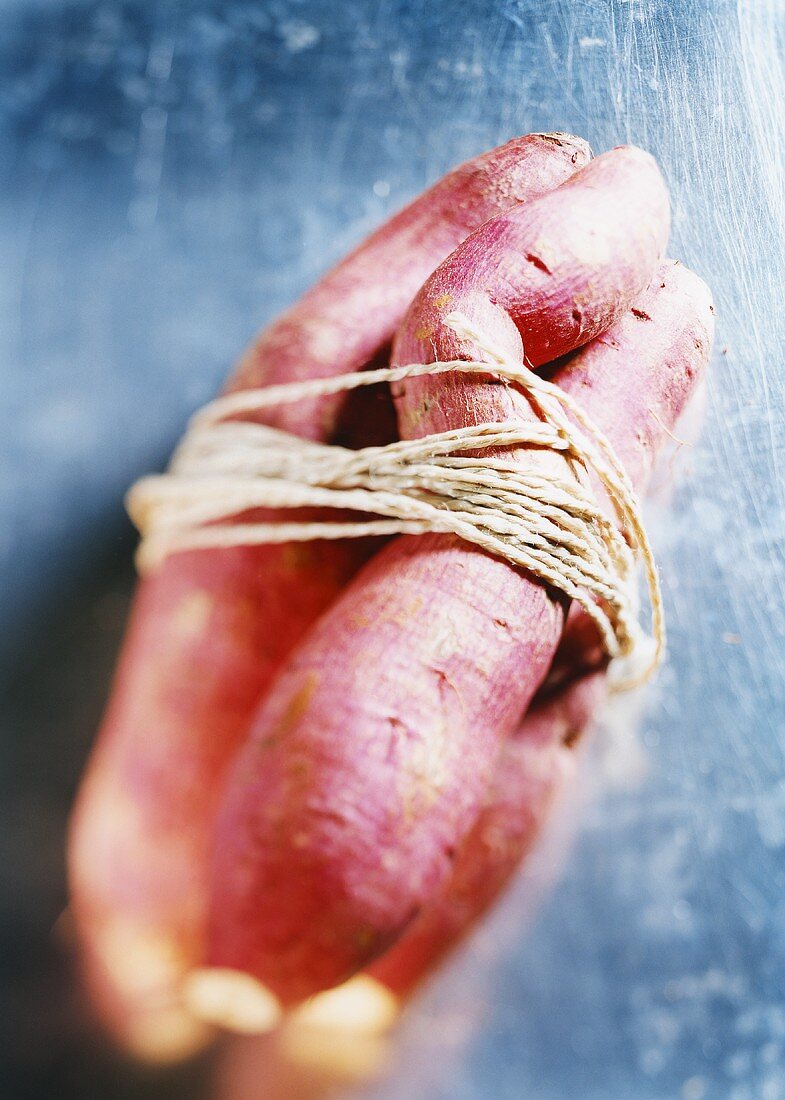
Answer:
(175, 173)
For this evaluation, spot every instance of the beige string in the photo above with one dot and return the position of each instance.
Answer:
(552, 527)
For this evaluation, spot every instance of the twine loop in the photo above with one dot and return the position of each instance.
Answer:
(553, 527)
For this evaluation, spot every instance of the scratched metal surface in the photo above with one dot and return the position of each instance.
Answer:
(172, 175)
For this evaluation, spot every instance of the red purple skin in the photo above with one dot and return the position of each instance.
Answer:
(209, 629)
(371, 755)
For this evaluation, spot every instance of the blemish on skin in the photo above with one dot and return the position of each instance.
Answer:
(299, 702)
(399, 732)
(423, 333)
(193, 613)
(571, 736)
(446, 685)
(400, 616)
(298, 556)
(641, 314)
(555, 139)
(426, 784)
(365, 937)
(294, 711)
(442, 301)
(415, 416)
(300, 767)
(538, 262)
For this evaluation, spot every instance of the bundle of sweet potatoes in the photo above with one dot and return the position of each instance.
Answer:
(324, 758)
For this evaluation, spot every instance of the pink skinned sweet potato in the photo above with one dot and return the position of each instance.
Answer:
(339, 1036)
(209, 629)
(370, 759)
(537, 760)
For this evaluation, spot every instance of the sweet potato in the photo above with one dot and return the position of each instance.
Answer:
(536, 760)
(371, 754)
(209, 629)
(340, 1037)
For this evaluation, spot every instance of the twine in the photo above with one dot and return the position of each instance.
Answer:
(553, 527)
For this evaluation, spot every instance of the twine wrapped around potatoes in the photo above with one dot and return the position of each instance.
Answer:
(552, 527)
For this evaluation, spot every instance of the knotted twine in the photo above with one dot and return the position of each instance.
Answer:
(553, 527)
